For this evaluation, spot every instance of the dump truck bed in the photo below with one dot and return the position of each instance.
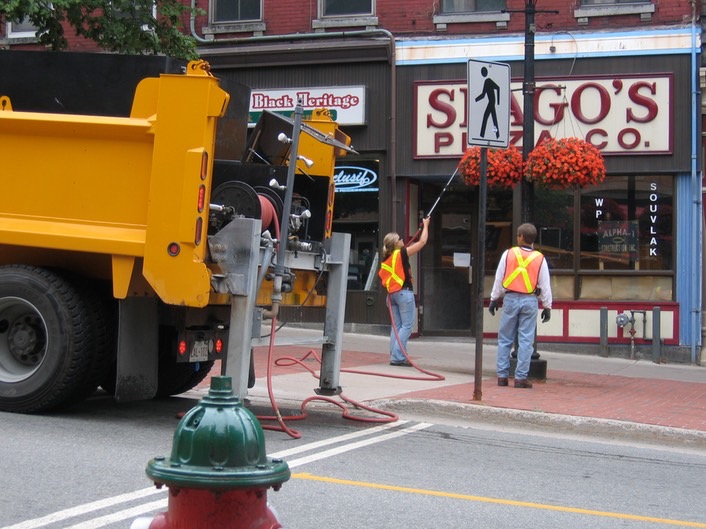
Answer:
(135, 189)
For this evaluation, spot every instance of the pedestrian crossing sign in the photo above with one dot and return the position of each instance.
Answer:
(488, 104)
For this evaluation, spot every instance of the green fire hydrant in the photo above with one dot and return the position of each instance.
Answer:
(218, 472)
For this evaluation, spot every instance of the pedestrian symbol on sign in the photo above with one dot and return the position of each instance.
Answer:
(491, 91)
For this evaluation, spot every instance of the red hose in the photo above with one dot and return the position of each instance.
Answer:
(432, 376)
(282, 421)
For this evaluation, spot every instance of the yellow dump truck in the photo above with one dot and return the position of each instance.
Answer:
(131, 260)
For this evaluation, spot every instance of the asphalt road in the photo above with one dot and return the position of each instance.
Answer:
(84, 469)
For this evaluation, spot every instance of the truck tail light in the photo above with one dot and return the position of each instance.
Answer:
(204, 165)
(182, 347)
(202, 198)
(219, 345)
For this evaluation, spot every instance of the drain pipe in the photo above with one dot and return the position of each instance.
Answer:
(696, 190)
(392, 58)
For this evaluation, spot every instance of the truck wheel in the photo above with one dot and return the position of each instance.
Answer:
(102, 317)
(174, 378)
(45, 341)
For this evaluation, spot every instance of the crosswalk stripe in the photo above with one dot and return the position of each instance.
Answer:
(84, 509)
(132, 512)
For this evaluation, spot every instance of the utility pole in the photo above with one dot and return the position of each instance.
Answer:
(528, 86)
(528, 91)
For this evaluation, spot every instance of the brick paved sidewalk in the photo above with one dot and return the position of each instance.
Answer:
(638, 398)
(647, 401)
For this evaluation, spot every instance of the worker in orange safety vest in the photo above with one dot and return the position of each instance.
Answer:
(396, 276)
(522, 276)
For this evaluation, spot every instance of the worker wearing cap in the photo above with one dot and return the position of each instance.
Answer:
(522, 277)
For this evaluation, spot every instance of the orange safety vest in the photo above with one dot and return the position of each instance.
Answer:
(392, 272)
(522, 270)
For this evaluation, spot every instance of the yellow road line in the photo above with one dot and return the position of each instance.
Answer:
(607, 514)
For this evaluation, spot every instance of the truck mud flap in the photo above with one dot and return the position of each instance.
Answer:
(138, 340)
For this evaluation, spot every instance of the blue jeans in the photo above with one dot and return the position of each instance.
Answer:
(519, 318)
(402, 307)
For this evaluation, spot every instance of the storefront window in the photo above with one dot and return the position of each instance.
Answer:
(626, 224)
(554, 214)
(447, 259)
(498, 228)
(356, 212)
(623, 229)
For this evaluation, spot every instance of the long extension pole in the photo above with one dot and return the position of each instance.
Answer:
(431, 210)
(442, 192)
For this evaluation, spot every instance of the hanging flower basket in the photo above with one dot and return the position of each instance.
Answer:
(565, 163)
(504, 167)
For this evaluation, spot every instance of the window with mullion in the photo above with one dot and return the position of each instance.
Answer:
(611, 2)
(472, 6)
(237, 10)
(343, 8)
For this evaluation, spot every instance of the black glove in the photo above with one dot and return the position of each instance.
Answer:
(492, 307)
(546, 315)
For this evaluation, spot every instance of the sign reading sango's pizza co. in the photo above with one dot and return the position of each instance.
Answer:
(623, 114)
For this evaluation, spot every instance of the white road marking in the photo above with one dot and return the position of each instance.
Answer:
(119, 516)
(83, 509)
(161, 504)
(339, 439)
(359, 444)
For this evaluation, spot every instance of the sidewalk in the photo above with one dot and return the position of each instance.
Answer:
(613, 397)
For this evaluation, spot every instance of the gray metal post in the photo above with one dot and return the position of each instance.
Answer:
(604, 332)
(289, 192)
(339, 255)
(656, 335)
(479, 273)
(236, 249)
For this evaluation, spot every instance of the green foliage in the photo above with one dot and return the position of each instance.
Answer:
(121, 26)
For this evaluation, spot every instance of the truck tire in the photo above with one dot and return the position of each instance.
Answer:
(102, 318)
(45, 340)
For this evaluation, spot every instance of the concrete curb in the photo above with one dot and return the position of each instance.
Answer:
(541, 422)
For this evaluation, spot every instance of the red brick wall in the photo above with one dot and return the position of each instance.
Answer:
(414, 17)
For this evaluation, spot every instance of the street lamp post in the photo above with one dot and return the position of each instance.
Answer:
(528, 86)
(528, 91)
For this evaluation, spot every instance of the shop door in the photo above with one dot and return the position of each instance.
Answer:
(446, 288)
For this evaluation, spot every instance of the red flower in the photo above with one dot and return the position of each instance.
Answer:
(504, 167)
(564, 163)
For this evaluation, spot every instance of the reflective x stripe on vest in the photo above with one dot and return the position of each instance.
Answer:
(521, 273)
(392, 272)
